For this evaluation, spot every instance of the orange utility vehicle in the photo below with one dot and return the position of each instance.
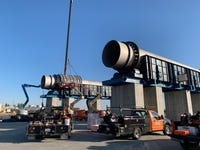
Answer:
(133, 122)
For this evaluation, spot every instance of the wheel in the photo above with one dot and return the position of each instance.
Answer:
(72, 126)
(66, 136)
(184, 144)
(137, 133)
(195, 146)
(70, 131)
(167, 130)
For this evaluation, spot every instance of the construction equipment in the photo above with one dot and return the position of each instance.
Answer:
(68, 36)
(22, 113)
(58, 120)
(51, 121)
(56, 123)
(26, 94)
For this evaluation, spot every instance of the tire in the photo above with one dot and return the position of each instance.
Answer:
(137, 133)
(69, 131)
(196, 146)
(167, 130)
(72, 125)
(184, 144)
(66, 136)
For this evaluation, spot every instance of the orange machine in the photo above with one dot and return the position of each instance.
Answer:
(80, 114)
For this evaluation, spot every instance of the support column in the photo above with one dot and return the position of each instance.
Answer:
(67, 101)
(127, 95)
(153, 98)
(177, 103)
(195, 102)
(52, 101)
(97, 105)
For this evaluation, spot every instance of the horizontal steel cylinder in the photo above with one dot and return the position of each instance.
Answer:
(50, 82)
(121, 56)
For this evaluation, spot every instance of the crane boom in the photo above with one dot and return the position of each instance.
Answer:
(25, 92)
(68, 36)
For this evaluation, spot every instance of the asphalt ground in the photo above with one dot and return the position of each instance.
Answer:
(13, 137)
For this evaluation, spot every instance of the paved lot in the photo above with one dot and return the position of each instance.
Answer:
(12, 136)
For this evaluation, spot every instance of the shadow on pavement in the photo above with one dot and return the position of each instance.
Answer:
(13, 132)
(162, 144)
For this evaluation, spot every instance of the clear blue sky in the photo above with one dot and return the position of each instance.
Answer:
(33, 37)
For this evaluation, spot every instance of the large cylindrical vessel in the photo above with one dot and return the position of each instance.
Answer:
(50, 82)
(121, 56)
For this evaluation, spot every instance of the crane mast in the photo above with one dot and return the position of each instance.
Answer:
(68, 36)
